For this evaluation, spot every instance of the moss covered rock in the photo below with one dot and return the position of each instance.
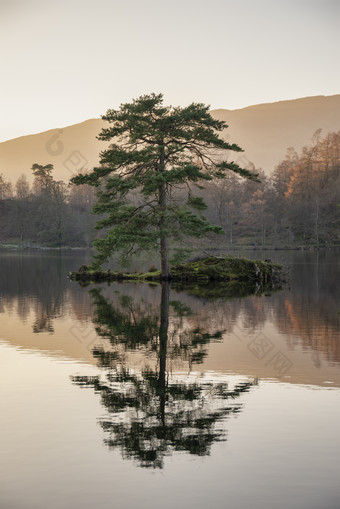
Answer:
(228, 269)
(205, 270)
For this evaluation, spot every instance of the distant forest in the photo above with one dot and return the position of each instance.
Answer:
(299, 204)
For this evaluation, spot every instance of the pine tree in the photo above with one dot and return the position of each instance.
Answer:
(157, 152)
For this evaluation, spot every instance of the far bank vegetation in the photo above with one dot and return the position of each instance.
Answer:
(297, 205)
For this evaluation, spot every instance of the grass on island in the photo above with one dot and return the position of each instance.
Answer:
(204, 270)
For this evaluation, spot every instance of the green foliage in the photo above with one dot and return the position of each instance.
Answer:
(145, 180)
(180, 255)
(297, 206)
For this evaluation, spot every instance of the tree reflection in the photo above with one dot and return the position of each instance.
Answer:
(153, 412)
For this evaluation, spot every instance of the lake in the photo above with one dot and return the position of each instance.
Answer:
(143, 396)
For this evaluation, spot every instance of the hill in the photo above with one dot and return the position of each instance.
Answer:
(265, 131)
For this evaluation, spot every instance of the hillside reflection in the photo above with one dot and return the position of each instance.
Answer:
(153, 412)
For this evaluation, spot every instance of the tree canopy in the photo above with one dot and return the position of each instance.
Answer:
(146, 177)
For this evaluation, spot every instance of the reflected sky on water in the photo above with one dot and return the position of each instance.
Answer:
(231, 402)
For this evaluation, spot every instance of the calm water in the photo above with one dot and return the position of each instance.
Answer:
(137, 396)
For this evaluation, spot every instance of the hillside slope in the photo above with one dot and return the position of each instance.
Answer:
(264, 131)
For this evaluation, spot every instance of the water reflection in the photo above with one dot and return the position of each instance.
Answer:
(35, 284)
(153, 412)
(135, 323)
(41, 309)
(180, 398)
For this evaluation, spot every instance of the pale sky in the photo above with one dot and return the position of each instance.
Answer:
(65, 61)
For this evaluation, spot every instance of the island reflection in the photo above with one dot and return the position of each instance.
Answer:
(41, 310)
(153, 412)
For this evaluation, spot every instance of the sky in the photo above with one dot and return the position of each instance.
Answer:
(66, 61)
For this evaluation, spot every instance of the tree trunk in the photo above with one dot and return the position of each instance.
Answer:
(317, 221)
(263, 235)
(164, 250)
(163, 339)
(164, 245)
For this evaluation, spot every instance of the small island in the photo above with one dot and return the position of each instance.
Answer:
(226, 269)
(147, 194)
